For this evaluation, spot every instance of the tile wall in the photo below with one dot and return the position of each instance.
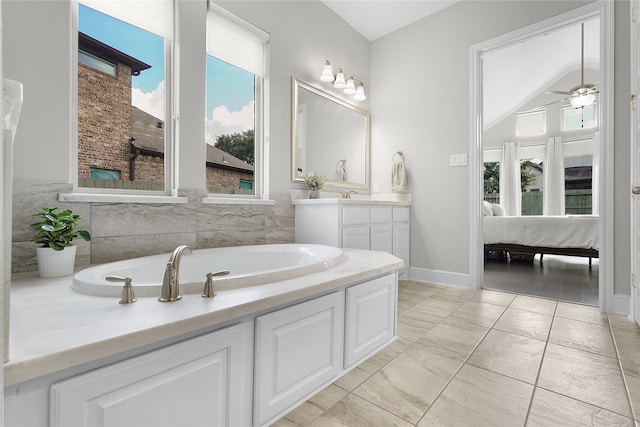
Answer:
(125, 230)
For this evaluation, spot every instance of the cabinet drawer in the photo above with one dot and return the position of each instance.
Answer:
(355, 215)
(401, 214)
(380, 214)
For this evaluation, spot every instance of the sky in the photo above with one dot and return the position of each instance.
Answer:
(230, 90)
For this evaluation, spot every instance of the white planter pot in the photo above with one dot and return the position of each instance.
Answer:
(56, 263)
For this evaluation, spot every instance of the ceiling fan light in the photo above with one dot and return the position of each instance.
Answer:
(327, 72)
(340, 83)
(582, 100)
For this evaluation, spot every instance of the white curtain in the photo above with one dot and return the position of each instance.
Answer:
(553, 178)
(510, 190)
(595, 175)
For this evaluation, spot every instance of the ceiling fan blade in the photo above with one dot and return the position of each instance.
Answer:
(558, 92)
(540, 107)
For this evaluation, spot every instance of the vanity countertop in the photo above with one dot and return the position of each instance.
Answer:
(53, 327)
(353, 201)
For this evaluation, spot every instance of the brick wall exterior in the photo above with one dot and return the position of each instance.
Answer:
(226, 178)
(149, 169)
(104, 120)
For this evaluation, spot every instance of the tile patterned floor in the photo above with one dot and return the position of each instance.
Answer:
(487, 358)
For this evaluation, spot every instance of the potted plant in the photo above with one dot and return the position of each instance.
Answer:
(55, 232)
(314, 183)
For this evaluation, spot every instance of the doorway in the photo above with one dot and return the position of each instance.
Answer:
(481, 112)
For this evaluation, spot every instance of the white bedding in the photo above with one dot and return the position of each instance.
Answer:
(570, 231)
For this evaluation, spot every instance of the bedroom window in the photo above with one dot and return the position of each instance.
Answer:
(123, 64)
(578, 184)
(578, 118)
(531, 185)
(492, 182)
(235, 80)
(533, 123)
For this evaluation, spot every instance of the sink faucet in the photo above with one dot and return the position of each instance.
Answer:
(170, 284)
(347, 194)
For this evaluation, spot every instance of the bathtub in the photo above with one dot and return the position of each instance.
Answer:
(247, 265)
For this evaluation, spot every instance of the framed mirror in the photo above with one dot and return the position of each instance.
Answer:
(329, 137)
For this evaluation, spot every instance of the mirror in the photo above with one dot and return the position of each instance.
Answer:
(329, 137)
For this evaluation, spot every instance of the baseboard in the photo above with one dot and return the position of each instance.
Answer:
(438, 277)
(621, 304)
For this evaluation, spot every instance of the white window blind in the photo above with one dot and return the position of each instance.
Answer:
(234, 40)
(155, 16)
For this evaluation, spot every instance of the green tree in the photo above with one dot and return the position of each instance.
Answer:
(492, 176)
(240, 145)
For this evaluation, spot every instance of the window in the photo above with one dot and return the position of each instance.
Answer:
(236, 73)
(531, 170)
(492, 182)
(533, 123)
(578, 118)
(578, 184)
(123, 65)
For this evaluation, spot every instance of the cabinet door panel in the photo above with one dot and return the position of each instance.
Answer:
(355, 215)
(401, 243)
(380, 214)
(298, 350)
(370, 317)
(202, 381)
(356, 237)
(381, 239)
(400, 214)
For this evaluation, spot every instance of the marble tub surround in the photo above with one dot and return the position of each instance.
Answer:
(538, 363)
(127, 230)
(54, 328)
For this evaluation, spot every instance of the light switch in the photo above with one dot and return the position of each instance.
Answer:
(458, 159)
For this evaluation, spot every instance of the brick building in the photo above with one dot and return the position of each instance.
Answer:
(121, 145)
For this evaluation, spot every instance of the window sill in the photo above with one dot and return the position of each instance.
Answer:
(230, 201)
(119, 198)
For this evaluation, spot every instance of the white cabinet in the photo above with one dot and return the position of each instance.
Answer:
(375, 227)
(298, 350)
(202, 381)
(370, 317)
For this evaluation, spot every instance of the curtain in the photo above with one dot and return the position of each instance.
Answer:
(595, 175)
(510, 190)
(553, 178)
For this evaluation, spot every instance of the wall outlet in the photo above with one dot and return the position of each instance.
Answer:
(458, 159)
(375, 187)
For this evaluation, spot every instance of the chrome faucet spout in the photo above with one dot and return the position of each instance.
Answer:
(171, 284)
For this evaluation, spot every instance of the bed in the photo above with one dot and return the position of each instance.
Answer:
(573, 235)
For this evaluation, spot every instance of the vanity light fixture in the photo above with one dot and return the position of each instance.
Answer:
(351, 86)
(340, 83)
(360, 96)
(327, 72)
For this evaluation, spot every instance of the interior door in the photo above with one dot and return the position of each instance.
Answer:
(635, 164)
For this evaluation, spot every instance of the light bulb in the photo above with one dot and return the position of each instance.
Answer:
(360, 96)
(327, 72)
(583, 100)
(351, 86)
(340, 83)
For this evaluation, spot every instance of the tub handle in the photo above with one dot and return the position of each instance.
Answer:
(127, 296)
(209, 289)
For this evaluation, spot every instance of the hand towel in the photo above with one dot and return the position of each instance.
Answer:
(398, 173)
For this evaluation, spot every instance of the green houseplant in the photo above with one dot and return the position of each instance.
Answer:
(55, 233)
(314, 183)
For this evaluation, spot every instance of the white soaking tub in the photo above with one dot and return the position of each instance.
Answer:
(247, 266)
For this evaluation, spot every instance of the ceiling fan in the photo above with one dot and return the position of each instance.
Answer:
(585, 93)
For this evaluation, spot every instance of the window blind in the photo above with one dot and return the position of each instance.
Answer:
(155, 16)
(234, 40)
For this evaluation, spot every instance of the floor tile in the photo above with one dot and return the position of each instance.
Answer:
(353, 379)
(628, 342)
(552, 409)
(436, 307)
(457, 295)
(285, 422)
(525, 323)
(581, 312)
(479, 397)
(303, 415)
(508, 354)
(328, 397)
(632, 377)
(355, 412)
(588, 377)
(493, 297)
(537, 305)
(478, 313)
(620, 321)
(586, 336)
(452, 337)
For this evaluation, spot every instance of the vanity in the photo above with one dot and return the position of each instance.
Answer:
(243, 358)
(379, 225)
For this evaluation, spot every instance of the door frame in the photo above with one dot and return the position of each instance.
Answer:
(634, 305)
(603, 10)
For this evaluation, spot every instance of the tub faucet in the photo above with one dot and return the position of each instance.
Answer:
(170, 284)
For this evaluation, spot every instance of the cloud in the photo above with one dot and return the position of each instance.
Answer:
(226, 122)
(150, 102)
